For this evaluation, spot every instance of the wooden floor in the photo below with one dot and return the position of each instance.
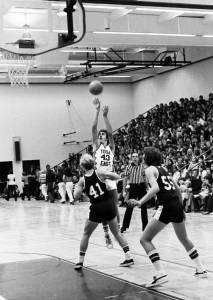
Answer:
(34, 229)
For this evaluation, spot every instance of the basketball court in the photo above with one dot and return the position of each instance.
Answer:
(119, 41)
(40, 245)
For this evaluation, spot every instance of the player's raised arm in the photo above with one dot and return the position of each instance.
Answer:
(108, 127)
(97, 105)
(108, 175)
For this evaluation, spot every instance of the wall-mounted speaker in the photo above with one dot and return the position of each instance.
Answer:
(17, 151)
(17, 148)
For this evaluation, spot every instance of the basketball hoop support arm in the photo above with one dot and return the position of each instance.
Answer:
(69, 9)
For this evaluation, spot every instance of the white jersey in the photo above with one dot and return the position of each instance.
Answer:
(104, 160)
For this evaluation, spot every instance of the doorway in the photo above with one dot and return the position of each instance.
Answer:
(5, 167)
(29, 166)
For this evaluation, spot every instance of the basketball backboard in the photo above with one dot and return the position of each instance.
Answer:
(34, 27)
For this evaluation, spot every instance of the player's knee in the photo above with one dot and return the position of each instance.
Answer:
(144, 239)
(87, 231)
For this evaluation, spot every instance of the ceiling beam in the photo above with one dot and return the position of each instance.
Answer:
(167, 16)
(152, 4)
(118, 13)
(208, 19)
(115, 15)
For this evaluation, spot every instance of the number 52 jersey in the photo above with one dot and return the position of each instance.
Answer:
(167, 192)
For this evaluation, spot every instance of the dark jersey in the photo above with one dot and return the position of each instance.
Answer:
(167, 188)
(94, 188)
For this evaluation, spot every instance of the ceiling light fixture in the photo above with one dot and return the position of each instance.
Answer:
(103, 6)
(21, 29)
(161, 10)
(145, 33)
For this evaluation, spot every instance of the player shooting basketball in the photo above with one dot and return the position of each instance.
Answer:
(103, 151)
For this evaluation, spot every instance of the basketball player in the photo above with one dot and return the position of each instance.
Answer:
(170, 210)
(102, 208)
(103, 151)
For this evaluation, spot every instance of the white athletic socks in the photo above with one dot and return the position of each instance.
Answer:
(82, 256)
(106, 229)
(193, 254)
(127, 252)
(155, 259)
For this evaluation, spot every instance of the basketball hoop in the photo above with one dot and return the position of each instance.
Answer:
(17, 66)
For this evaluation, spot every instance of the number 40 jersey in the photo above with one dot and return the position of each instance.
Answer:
(104, 158)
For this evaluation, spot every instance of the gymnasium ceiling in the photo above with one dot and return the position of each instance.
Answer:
(124, 41)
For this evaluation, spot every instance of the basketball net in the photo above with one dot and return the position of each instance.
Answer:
(17, 66)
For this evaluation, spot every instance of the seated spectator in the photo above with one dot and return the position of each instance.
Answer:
(195, 189)
(193, 165)
(184, 184)
(206, 195)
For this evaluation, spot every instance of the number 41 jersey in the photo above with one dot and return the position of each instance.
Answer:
(104, 158)
(94, 188)
(167, 192)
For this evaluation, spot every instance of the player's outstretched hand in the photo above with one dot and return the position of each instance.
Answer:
(105, 110)
(132, 203)
(97, 103)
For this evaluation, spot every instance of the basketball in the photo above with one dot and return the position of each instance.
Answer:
(95, 87)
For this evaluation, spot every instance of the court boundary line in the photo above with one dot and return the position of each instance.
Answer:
(152, 291)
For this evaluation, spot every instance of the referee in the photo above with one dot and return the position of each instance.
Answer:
(135, 185)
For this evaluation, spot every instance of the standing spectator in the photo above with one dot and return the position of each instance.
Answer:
(11, 186)
(25, 181)
(42, 180)
(50, 180)
(37, 184)
(68, 183)
(31, 184)
(136, 189)
(61, 184)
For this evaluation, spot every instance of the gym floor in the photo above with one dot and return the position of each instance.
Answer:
(40, 245)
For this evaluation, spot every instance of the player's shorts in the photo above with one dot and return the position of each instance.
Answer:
(113, 195)
(103, 211)
(170, 212)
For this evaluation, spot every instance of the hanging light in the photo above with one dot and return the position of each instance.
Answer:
(26, 34)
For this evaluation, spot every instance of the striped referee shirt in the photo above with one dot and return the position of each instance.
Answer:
(135, 173)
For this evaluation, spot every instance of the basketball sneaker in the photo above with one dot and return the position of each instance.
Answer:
(157, 280)
(109, 243)
(202, 274)
(127, 263)
(78, 266)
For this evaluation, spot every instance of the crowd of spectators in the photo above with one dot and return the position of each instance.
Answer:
(182, 130)
(183, 133)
